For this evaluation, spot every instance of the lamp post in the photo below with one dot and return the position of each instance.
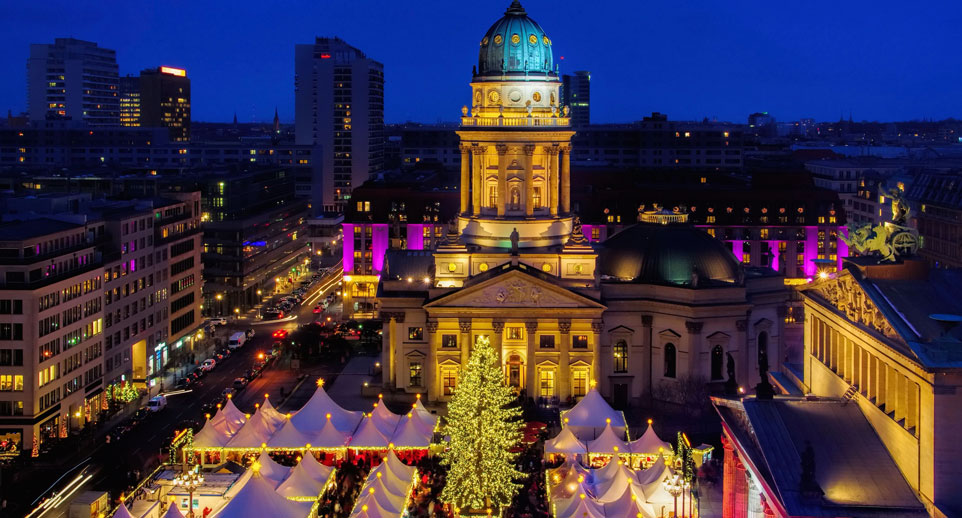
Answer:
(675, 486)
(189, 480)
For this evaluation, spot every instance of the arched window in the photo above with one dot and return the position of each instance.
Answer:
(717, 357)
(669, 360)
(620, 353)
(762, 351)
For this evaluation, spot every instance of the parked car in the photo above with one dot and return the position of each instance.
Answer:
(240, 383)
(318, 309)
(280, 333)
(208, 365)
(251, 374)
(236, 340)
(220, 321)
(157, 403)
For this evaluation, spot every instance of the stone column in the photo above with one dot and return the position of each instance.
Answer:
(741, 371)
(596, 328)
(430, 366)
(741, 490)
(390, 378)
(728, 479)
(477, 180)
(564, 362)
(553, 174)
(465, 345)
(465, 178)
(497, 339)
(694, 349)
(502, 178)
(565, 179)
(531, 328)
(755, 509)
(529, 180)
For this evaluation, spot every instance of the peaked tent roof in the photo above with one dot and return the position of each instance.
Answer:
(232, 419)
(255, 432)
(425, 414)
(410, 433)
(272, 471)
(653, 472)
(649, 443)
(565, 442)
(257, 499)
(368, 504)
(588, 418)
(307, 479)
(629, 503)
(123, 512)
(173, 511)
(385, 420)
(623, 480)
(271, 415)
(577, 507)
(608, 443)
(329, 436)
(289, 437)
(654, 487)
(210, 436)
(368, 436)
(311, 417)
(398, 467)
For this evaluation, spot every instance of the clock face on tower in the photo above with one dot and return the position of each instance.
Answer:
(494, 97)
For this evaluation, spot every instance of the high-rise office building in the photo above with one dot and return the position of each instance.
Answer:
(165, 101)
(339, 106)
(576, 94)
(73, 79)
(130, 101)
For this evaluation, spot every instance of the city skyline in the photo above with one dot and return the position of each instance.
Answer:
(697, 61)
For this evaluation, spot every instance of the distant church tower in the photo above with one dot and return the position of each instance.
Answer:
(515, 161)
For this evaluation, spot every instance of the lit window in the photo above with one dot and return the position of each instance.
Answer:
(415, 380)
(620, 353)
(415, 333)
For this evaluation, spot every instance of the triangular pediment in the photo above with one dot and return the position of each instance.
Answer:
(620, 329)
(514, 289)
(669, 333)
(846, 295)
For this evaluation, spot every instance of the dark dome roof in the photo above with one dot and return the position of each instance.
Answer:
(515, 46)
(654, 253)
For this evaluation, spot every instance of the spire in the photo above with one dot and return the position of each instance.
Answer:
(277, 121)
(235, 118)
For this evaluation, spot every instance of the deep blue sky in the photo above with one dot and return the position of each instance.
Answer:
(882, 60)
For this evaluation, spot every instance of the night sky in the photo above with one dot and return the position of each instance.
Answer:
(883, 60)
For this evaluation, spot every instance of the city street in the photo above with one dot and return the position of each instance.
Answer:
(123, 462)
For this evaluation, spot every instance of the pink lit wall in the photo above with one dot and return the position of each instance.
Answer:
(842, 246)
(416, 236)
(348, 248)
(811, 251)
(773, 250)
(379, 245)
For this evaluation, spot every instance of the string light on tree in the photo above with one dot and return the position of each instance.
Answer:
(483, 429)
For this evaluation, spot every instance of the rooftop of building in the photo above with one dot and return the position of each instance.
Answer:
(856, 474)
(34, 228)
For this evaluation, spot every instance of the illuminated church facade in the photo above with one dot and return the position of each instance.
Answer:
(656, 306)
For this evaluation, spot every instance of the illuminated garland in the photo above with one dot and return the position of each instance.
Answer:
(483, 429)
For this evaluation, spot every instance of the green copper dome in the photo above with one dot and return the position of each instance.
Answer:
(515, 46)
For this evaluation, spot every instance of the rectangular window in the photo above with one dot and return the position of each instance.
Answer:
(415, 333)
(620, 354)
(579, 383)
(449, 380)
(515, 333)
(547, 341)
(449, 341)
(546, 383)
(492, 196)
(579, 342)
(415, 374)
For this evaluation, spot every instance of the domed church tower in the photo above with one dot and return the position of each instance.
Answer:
(515, 161)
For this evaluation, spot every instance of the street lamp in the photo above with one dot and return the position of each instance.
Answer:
(236, 313)
(675, 486)
(189, 480)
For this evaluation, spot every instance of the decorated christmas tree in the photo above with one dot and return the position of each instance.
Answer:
(483, 429)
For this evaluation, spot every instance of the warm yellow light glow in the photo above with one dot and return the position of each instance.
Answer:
(179, 72)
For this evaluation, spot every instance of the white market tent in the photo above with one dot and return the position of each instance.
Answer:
(385, 420)
(649, 443)
(614, 490)
(311, 417)
(565, 443)
(653, 483)
(628, 504)
(271, 471)
(210, 437)
(608, 443)
(307, 480)
(411, 433)
(289, 437)
(173, 512)
(329, 437)
(122, 512)
(424, 414)
(229, 419)
(368, 436)
(588, 418)
(257, 430)
(579, 506)
(257, 499)
(386, 489)
(621, 479)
